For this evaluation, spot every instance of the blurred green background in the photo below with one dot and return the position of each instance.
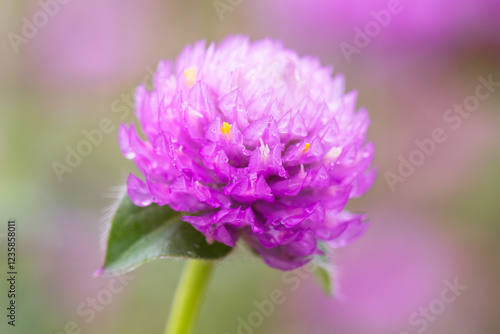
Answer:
(440, 224)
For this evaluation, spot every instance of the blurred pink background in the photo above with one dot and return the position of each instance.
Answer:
(441, 223)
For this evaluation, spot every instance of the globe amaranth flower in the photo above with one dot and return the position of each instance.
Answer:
(260, 143)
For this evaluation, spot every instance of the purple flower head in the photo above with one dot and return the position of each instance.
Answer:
(258, 142)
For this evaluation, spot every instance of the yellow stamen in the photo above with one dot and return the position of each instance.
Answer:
(190, 76)
(306, 148)
(225, 128)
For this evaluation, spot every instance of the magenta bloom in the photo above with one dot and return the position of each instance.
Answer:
(258, 143)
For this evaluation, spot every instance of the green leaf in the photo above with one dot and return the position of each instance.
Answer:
(324, 270)
(141, 234)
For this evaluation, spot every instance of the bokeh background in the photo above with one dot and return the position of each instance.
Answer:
(442, 223)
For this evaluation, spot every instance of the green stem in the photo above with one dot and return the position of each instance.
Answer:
(189, 297)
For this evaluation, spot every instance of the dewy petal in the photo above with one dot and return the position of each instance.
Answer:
(233, 108)
(288, 256)
(266, 161)
(197, 112)
(226, 234)
(304, 152)
(138, 191)
(260, 106)
(249, 189)
(136, 149)
(222, 225)
(350, 227)
(291, 186)
(256, 141)
(229, 140)
(264, 129)
(288, 216)
(292, 126)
